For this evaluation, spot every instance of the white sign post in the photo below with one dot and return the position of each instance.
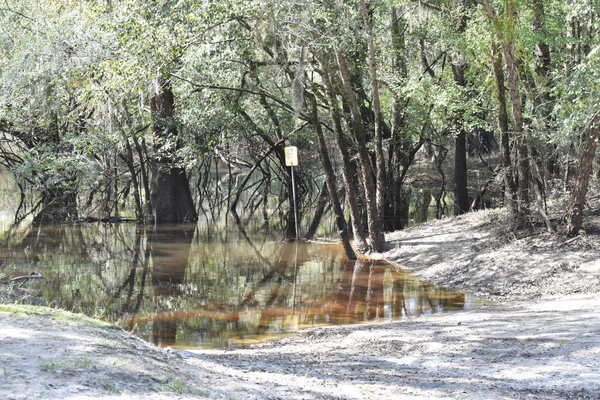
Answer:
(291, 160)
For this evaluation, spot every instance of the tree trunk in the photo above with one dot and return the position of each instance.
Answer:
(348, 169)
(401, 145)
(129, 161)
(540, 87)
(380, 172)
(422, 206)
(170, 194)
(586, 161)
(506, 35)
(509, 183)
(367, 171)
(331, 185)
(542, 54)
(461, 193)
(321, 206)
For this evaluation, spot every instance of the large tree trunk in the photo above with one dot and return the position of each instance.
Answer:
(586, 161)
(170, 194)
(461, 194)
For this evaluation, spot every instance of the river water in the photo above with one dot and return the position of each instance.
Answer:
(182, 287)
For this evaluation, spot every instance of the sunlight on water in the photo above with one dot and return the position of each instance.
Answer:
(180, 287)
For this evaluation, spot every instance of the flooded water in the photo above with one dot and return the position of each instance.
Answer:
(179, 287)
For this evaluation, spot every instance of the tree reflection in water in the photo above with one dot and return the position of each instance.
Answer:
(170, 252)
(177, 286)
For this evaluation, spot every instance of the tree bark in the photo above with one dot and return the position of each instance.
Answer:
(170, 194)
(586, 163)
(380, 172)
(348, 169)
(461, 193)
(509, 183)
(367, 171)
(401, 145)
(460, 173)
(331, 185)
(506, 37)
(318, 216)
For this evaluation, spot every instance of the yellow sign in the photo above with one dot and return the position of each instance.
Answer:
(291, 156)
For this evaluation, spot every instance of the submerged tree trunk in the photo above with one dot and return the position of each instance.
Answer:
(170, 194)
(318, 216)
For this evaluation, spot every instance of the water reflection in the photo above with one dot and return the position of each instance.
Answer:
(178, 287)
(170, 251)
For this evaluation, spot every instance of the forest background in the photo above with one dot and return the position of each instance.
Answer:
(171, 111)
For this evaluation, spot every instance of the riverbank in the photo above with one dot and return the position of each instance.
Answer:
(475, 253)
(539, 340)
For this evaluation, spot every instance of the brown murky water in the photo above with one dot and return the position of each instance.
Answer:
(179, 287)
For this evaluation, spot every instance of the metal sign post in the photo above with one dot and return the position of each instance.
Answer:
(291, 160)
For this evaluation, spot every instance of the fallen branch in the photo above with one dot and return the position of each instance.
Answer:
(23, 278)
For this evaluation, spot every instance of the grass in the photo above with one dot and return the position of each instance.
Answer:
(68, 363)
(58, 315)
(179, 387)
(107, 385)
